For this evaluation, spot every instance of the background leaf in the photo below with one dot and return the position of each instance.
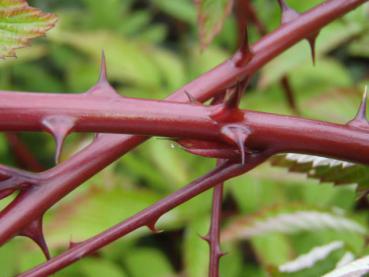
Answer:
(19, 23)
(287, 221)
(356, 268)
(325, 169)
(211, 15)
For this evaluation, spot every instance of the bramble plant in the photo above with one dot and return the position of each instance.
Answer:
(204, 117)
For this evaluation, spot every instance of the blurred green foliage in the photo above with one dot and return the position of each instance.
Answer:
(152, 48)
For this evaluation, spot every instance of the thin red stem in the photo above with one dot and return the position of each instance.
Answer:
(246, 12)
(213, 236)
(214, 231)
(221, 173)
(23, 155)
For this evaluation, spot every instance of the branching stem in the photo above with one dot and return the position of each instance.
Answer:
(309, 137)
(221, 173)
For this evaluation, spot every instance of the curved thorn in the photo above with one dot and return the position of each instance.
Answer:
(191, 99)
(222, 254)
(73, 244)
(59, 126)
(205, 238)
(234, 95)
(35, 232)
(244, 54)
(360, 120)
(238, 135)
(288, 14)
(152, 226)
(312, 42)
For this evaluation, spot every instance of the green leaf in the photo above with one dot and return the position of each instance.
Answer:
(289, 220)
(147, 262)
(196, 250)
(182, 10)
(98, 208)
(325, 169)
(273, 249)
(99, 267)
(128, 60)
(19, 23)
(211, 15)
(329, 39)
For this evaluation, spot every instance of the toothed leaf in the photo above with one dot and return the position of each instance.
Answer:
(310, 259)
(325, 169)
(19, 23)
(211, 15)
(356, 268)
(289, 220)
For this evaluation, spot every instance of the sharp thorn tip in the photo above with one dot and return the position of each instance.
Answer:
(238, 135)
(360, 120)
(103, 71)
(241, 147)
(191, 99)
(59, 127)
(312, 43)
(35, 232)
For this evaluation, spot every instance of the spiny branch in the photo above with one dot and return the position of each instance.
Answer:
(289, 15)
(65, 177)
(213, 236)
(246, 13)
(222, 124)
(221, 173)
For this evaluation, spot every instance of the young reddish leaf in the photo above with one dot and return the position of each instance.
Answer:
(19, 23)
(211, 15)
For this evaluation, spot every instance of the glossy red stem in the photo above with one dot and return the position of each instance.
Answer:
(59, 181)
(181, 120)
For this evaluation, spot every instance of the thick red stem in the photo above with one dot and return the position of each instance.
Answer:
(181, 120)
